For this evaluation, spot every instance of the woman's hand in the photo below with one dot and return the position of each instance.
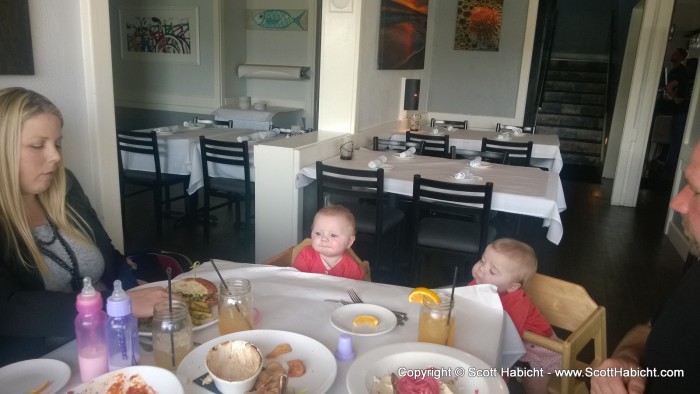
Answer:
(143, 300)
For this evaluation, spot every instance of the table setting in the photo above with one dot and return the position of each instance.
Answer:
(545, 147)
(334, 353)
(522, 190)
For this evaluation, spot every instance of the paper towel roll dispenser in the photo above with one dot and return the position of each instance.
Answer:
(260, 71)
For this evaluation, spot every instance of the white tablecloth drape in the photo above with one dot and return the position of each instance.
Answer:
(522, 190)
(545, 147)
(293, 301)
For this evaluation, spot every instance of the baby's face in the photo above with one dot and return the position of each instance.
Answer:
(496, 269)
(331, 236)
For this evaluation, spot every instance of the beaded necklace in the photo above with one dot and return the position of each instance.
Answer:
(73, 269)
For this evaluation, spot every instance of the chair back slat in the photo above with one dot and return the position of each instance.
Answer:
(381, 144)
(500, 128)
(213, 122)
(224, 152)
(519, 153)
(491, 157)
(138, 142)
(457, 124)
(434, 145)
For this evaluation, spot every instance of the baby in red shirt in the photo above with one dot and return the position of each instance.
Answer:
(332, 234)
(509, 264)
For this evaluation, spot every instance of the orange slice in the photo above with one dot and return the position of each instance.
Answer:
(420, 293)
(365, 319)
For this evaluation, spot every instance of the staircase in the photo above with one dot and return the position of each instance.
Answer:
(573, 107)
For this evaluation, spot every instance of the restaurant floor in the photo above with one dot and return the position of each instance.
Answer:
(619, 254)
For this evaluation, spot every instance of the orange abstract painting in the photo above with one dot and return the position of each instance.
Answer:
(402, 34)
(478, 26)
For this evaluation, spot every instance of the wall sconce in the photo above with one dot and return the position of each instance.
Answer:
(411, 94)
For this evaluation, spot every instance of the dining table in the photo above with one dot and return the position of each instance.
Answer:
(546, 151)
(180, 152)
(297, 303)
(528, 191)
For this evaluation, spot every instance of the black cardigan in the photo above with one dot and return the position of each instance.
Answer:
(33, 317)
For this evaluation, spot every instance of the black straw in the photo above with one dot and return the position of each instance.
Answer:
(452, 302)
(169, 272)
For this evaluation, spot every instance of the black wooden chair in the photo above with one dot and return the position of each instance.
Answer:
(381, 144)
(213, 122)
(435, 145)
(457, 124)
(500, 128)
(519, 153)
(491, 157)
(157, 182)
(452, 218)
(233, 191)
(362, 192)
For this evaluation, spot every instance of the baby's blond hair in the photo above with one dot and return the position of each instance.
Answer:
(339, 211)
(519, 253)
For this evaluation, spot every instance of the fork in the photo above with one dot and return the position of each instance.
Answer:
(356, 299)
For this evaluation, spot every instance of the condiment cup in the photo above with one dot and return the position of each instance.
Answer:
(234, 366)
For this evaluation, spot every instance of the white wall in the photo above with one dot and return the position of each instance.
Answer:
(70, 61)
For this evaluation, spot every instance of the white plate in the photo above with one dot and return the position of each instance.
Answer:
(342, 318)
(164, 283)
(161, 380)
(469, 178)
(416, 355)
(25, 376)
(398, 156)
(320, 363)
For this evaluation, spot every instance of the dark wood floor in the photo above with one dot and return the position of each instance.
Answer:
(620, 255)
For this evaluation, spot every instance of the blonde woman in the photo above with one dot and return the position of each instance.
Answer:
(50, 237)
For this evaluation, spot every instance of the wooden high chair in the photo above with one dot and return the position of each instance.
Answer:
(286, 258)
(568, 306)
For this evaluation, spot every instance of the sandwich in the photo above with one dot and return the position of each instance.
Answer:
(196, 289)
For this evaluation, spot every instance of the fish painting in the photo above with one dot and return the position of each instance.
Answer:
(277, 19)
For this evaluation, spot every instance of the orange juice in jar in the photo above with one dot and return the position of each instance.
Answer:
(433, 325)
(235, 306)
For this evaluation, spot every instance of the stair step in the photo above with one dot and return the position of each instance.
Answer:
(574, 98)
(582, 122)
(579, 147)
(577, 87)
(577, 65)
(576, 76)
(573, 109)
(571, 133)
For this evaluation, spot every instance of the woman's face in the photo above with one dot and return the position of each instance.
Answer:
(40, 153)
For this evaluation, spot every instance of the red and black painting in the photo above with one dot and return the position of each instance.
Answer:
(402, 34)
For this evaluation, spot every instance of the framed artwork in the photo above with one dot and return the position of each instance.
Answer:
(15, 38)
(478, 26)
(402, 34)
(160, 34)
(272, 19)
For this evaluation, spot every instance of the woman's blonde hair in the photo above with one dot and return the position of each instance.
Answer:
(17, 105)
(519, 253)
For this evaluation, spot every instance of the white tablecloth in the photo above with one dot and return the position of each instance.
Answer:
(522, 190)
(545, 147)
(180, 154)
(293, 301)
(252, 118)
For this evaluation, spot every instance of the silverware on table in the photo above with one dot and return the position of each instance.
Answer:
(356, 299)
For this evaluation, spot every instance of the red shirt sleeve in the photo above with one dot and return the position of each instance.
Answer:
(525, 314)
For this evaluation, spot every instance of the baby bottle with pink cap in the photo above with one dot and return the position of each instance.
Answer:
(90, 332)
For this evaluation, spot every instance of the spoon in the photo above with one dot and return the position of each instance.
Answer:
(283, 383)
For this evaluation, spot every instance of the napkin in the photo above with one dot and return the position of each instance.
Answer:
(261, 135)
(408, 152)
(462, 174)
(166, 129)
(476, 163)
(450, 128)
(436, 131)
(503, 136)
(378, 162)
(517, 131)
(189, 124)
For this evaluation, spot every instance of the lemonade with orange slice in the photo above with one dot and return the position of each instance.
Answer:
(433, 325)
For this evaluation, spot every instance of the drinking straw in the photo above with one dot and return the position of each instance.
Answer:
(452, 302)
(169, 272)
